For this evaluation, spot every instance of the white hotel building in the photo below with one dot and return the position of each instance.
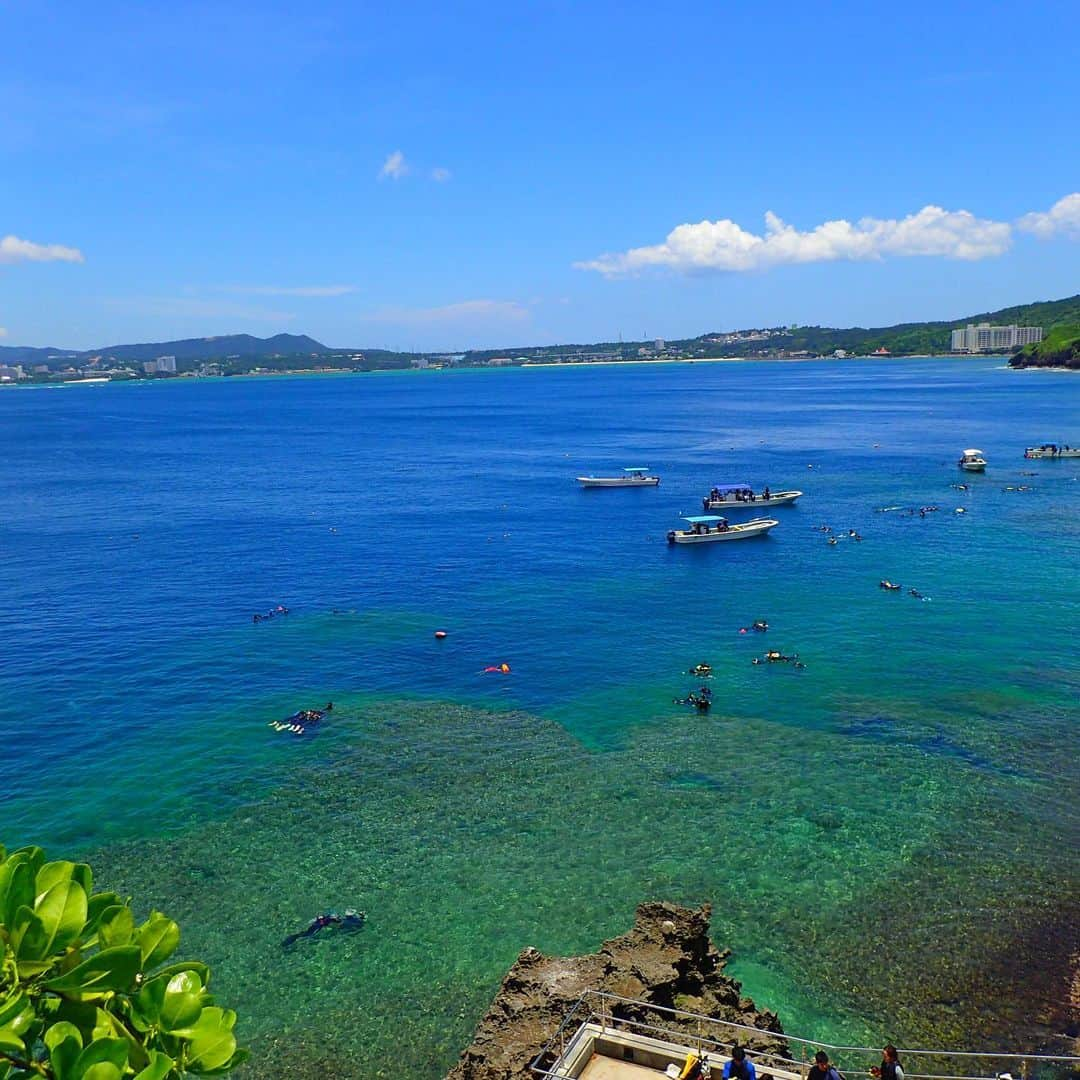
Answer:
(984, 337)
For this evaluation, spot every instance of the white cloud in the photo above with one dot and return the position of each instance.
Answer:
(13, 250)
(1063, 217)
(291, 290)
(3, 331)
(394, 167)
(490, 310)
(440, 175)
(724, 245)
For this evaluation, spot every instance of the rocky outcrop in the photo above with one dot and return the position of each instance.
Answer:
(666, 960)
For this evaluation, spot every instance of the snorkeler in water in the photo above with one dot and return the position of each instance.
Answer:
(351, 920)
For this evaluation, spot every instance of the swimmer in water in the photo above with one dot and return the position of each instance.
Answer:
(351, 920)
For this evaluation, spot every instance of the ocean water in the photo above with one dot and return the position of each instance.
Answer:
(889, 837)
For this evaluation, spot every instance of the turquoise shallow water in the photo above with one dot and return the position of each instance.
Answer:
(888, 837)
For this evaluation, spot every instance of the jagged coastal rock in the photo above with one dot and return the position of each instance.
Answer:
(667, 960)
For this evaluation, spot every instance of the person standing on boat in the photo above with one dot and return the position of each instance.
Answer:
(821, 1069)
(890, 1068)
(739, 1067)
(767, 491)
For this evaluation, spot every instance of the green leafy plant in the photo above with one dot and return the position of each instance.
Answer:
(84, 994)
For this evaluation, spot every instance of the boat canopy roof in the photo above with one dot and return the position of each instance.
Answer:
(637, 468)
(976, 453)
(723, 488)
(707, 519)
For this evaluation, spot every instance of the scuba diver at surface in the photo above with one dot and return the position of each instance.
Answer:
(351, 920)
(701, 699)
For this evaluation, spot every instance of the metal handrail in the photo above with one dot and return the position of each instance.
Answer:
(605, 1016)
(823, 1045)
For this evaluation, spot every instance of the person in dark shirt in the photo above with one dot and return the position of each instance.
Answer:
(821, 1069)
(890, 1068)
(739, 1067)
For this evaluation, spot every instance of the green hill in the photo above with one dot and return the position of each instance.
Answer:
(1060, 348)
(909, 338)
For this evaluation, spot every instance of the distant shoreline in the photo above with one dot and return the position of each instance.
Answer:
(342, 372)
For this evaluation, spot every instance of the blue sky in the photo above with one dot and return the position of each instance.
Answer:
(194, 169)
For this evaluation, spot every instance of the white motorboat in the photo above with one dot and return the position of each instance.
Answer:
(743, 497)
(972, 461)
(1052, 450)
(711, 528)
(635, 477)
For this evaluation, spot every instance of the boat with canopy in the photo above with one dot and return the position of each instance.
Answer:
(710, 528)
(1052, 450)
(635, 476)
(972, 461)
(743, 497)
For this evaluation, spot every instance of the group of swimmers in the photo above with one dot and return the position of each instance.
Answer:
(774, 656)
(892, 586)
(835, 538)
(281, 609)
(298, 722)
(700, 699)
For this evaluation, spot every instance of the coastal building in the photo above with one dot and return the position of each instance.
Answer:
(12, 374)
(982, 337)
(419, 362)
(500, 361)
(166, 365)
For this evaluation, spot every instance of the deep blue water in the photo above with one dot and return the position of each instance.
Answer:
(142, 525)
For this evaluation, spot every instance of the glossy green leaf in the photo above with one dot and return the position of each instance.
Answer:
(158, 939)
(160, 1066)
(14, 1011)
(61, 913)
(103, 1070)
(113, 1052)
(33, 855)
(64, 1043)
(238, 1058)
(25, 924)
(183, 1002)
(97, 905)
(110, 969)
(212, 1040)
(16, 887)
(10, 1041)
(195, 966)
(116, 926)
(108, 1025)
(52, 872)
(146, 1004)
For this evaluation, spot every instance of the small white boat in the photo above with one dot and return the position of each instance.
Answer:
(743, 497)
(711, 528)
(972, 461)
(635, 477)
(1052, 450)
